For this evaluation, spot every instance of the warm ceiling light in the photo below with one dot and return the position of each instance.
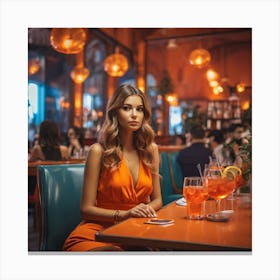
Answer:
(79, 74)
(33, 66)
(199, 58)
(34, 63)
(213, 83)
(172, 44)
(212, 75)
(116, 64)
(218, 89)
(246, 105)
(68, 40)
(172, 99)
(240, 87)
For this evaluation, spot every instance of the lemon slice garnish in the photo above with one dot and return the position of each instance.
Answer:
(231, 172)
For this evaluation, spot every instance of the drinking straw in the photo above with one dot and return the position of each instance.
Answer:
(219, 165)
(200, 172)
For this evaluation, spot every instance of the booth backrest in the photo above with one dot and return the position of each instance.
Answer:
(60, 188)
(171, 181)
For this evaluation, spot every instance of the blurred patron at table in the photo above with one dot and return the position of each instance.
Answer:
(196, 153)
(49, 146)
(75, 142)
(216, 144)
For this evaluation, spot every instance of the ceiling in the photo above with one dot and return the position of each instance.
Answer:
(211, 37)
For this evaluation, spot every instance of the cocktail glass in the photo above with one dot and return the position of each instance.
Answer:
(195, 193)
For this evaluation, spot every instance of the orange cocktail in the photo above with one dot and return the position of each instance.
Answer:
(195, 196)
(219, 187)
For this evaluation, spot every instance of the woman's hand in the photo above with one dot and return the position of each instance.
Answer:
(142, 210)
(74, 142)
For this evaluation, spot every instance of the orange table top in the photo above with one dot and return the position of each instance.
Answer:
(184, 234)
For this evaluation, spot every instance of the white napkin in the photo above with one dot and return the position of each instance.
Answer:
(181, 201)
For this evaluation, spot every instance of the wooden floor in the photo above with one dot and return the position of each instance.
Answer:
(33, 234)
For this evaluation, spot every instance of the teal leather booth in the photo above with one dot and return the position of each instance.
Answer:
(171, 181)
(60, 189)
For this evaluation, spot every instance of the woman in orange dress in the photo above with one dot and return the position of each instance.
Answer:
(121, 178)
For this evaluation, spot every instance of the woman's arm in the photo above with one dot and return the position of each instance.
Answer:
(91, 177)
(64, 152)
(36, 153)
(156, 199)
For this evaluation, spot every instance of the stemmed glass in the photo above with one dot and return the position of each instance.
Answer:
(219, 187)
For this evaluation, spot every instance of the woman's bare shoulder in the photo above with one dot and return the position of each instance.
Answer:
(97, 149)
(154, 147)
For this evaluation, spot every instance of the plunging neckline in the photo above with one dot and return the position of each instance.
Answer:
(134, 183)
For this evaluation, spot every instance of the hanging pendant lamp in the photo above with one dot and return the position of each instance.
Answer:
(34, 63)
(33, 66)
(240, 87)
(79, 74)
(199, 58)
(68, 40)
(116, 65)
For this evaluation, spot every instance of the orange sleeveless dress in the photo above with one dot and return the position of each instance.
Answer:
(115, 191)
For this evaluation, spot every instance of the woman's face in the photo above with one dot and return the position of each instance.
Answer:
(131, 114)
(71, 133)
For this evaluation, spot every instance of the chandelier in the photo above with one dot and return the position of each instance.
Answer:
(116, 65)
(68, 40)
(199, 58)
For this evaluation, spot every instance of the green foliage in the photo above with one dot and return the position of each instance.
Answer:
(245, 152)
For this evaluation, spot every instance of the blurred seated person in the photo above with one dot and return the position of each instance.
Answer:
(233, 144)
(179, 140)
(76, 145)
(196, 153)
(216, 141)
(89, 140)
(49, 147)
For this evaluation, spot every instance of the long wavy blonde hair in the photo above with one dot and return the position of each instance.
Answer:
(109, 133)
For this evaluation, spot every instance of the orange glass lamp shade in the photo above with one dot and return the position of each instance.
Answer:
(199, 58)
(79, 74)
(212, 75)
(213, 83)
(240, 87)
(116, 65)
(172, 99)
(33, 66)
(218, 89)
(68, 40)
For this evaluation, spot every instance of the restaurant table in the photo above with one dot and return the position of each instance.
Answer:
(186, 235)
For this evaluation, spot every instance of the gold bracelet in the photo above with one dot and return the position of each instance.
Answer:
(117, 216)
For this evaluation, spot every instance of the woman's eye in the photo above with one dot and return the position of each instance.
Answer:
(140, 109)
(126, 108)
